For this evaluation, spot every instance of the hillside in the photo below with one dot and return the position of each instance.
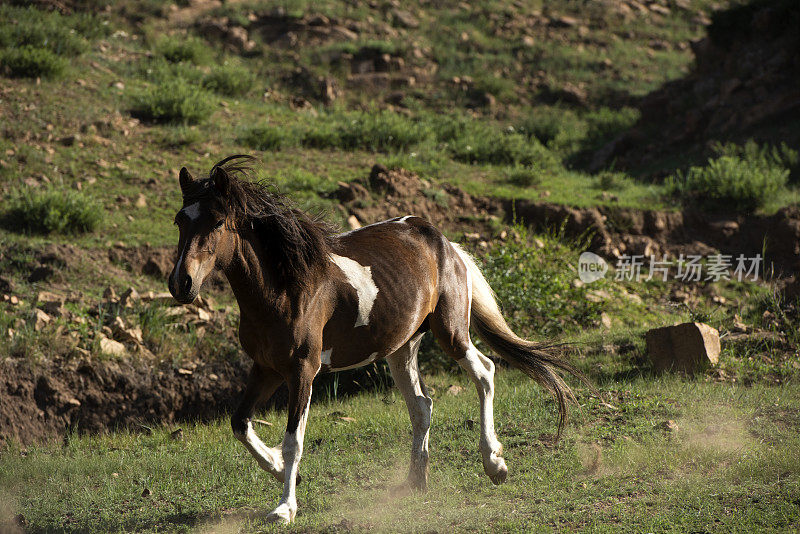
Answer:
(474, 116)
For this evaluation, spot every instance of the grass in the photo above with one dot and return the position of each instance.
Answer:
(173, 101)
(728, 465)
(729, 183)
(51, 210)
(30, 62)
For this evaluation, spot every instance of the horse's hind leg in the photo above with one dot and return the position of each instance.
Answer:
(405, 371)
(450, 325)
(481, 370)
(260, 386)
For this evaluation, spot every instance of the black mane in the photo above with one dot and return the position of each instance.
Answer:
(297, 245)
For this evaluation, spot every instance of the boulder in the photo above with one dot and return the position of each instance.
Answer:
(687, 347)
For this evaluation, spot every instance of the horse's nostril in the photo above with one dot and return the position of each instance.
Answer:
(187, 284)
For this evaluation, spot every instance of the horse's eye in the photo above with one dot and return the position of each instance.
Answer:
(219, 224)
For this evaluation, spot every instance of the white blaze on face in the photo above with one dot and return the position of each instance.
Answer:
(192, 211)
(360, 277)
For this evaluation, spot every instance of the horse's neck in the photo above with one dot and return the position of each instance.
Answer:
(248, 278)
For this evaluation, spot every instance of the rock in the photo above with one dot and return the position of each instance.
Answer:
(111, 347)
(454, 389)
(128, 297)
(141, 201)
(687, 347)
(109, 294)
(563, 22)
(404, 18)
(40, 319)
(40, 273)
(352, 222)
(605, 320)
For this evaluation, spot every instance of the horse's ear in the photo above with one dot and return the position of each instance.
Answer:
(185, 179)
(221, 180)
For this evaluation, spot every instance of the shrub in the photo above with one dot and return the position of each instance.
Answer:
(30, 62)
(523, 176)
(177, 48)
(606, 123)
(487, 145)
(782, 156)
(381, 131)
(229, 80)
(51, 210)
(173, 101)
(609, 181)
(728, 182)
(267, 137)
(38, 30)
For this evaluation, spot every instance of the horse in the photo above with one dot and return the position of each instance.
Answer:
(312, 300)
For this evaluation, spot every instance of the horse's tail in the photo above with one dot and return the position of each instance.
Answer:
(534, 359)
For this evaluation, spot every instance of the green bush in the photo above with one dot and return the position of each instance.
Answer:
(178, 48)
(38, 29)
(51, 209)
(173, 101)
(160, 70)
(728, 183)
(488, 145)
(535, 286)
(524, 176)
(781, 156)
(267, 137)
(382, 131)
(30, 62)
(610, 181)
(229, 80)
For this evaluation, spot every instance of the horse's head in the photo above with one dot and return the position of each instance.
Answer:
(207, 235)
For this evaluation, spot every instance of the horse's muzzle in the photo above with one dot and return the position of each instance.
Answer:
(182, 288)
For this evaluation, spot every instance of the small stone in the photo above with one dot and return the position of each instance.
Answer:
(40, 320)
(111, 347)
(128, 297)
(454, 389)
(605, 320)
(184, 372)
(213, 377)
(141, 201)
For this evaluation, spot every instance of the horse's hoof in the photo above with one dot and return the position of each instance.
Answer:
(282, 514)
(500, 474)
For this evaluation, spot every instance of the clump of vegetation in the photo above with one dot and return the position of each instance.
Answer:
(729, 182)
(613, 181)
(381, 131)
(770, 156)
(229, 80)
(51, 209)
(535, 285)
(173, 101)
(524, 176)
(178, 48)
(267, 137)
(488, 145)
(61, 35)
(30, 62)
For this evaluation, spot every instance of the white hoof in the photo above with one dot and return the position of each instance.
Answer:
(282, 514)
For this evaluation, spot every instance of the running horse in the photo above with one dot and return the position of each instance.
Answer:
(315, 301)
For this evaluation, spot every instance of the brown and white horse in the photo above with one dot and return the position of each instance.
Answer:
(312, 301)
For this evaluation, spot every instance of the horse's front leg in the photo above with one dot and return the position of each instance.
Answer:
(299, 400)
(260, 386)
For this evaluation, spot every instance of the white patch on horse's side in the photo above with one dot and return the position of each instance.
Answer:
(192, 211)
(360, 277)
(355, 366)
(326, 356)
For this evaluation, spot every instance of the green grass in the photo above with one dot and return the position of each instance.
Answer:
(51, 209)
(729, 183)
(30, 62)
(180, 48)
(729, 466)
(173, 101)
(229, 80)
